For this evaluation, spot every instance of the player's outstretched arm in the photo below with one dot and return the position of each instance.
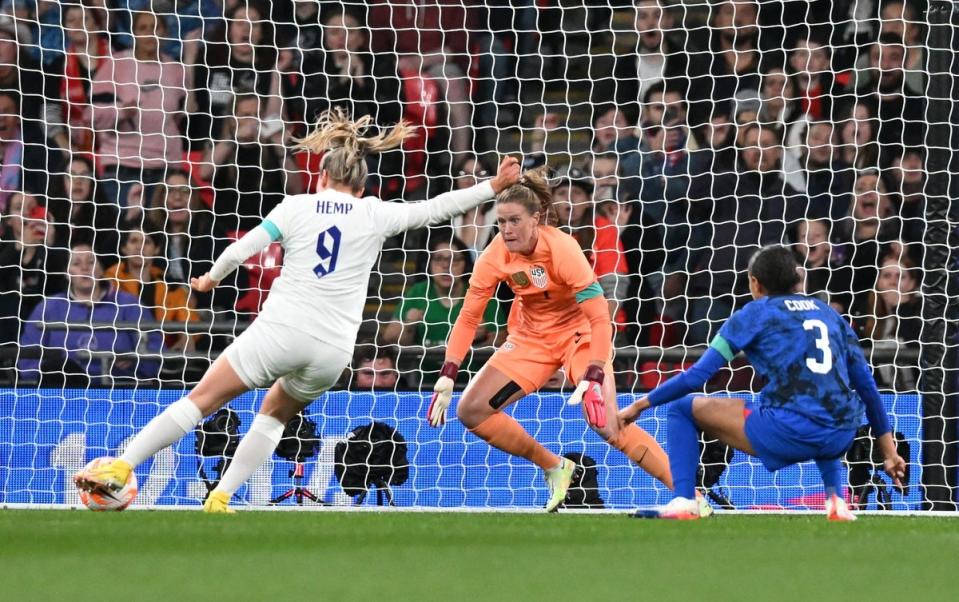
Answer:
(590, 388)
(252, 242)
(863, 382)
(459, 343)
(682, 384)
(400, 217)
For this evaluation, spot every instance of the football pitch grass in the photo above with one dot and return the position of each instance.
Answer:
(182, 556)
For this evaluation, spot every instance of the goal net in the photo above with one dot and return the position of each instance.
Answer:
(139, 138)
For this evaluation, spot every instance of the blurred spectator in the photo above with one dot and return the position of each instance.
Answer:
(823, 278)
(734, 64)
(90, 349)
(29, 268)
(761, 174)
(250, 168)
(301, 29)
(23, 77)
(894, 318)
(39, 27)
(658, 178)
(823, 176)
(663, 160)
(177, 215)
(11, 221)
(138, 97)
(733, 217)
(909, 182)
(26, 161)
(909, 176)
(434, 39)
(901, 18)
(666, 104)
(664, 52)
(857, 146)
(812, 77)
(612, 131)
(663, 148)
(239, 58)
(90, 218)
(342, 72)
(477, 226)
(348, 75)
(181, 19)
(572, 199)
(430, 308)
(543, 124)
(604, 171)
(183, 228)
(595, 226)
(780, 109)
(606, 253)
(87, 47)
(899, 109)
(871, 230)
(778, 95)
(375, 369)
(717, 149)
(509, 51)
(137, 274)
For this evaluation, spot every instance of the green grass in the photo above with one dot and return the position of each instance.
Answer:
(183, 556)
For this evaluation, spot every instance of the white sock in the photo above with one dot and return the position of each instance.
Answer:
(165, 429)
(255, 449)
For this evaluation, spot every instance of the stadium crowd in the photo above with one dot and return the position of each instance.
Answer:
(139, 137)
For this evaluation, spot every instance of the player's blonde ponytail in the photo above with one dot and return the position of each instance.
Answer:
(533, 193)
(344, 147)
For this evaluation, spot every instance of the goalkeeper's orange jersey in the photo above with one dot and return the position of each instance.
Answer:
(549, 285)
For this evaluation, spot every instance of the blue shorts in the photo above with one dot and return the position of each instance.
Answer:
(781, 437)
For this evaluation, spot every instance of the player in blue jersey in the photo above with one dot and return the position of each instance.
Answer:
(818, 385)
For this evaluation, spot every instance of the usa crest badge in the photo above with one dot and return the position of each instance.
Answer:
(539, 276)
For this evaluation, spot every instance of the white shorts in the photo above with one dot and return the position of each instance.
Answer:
(304, 365)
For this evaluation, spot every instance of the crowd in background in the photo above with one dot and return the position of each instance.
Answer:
(139, 137)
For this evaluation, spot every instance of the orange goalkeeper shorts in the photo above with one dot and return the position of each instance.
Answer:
(530, 361)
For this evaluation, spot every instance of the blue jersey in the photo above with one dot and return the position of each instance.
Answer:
(805, 350)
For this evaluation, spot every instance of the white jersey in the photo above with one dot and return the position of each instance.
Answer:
(331, 241)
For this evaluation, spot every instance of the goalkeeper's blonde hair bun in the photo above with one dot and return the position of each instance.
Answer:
(533, 192)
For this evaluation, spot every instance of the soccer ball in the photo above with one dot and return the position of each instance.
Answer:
(99, 501)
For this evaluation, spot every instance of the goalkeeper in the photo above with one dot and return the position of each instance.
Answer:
(559, 319)
(808, 410)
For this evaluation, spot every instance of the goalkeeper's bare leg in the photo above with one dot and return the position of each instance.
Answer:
(480, 411)
(256, 447)
(218, 387)
(638, 445)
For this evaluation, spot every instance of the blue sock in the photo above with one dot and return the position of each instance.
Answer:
(832, 476)
(682, 446)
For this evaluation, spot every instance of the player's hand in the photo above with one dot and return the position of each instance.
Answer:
(442, 395)
(895, 467)
(507, 175)
(630, 413)
(590, 392)
(204, 283)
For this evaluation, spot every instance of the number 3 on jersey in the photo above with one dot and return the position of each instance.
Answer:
(328, 248)
(822, 344)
